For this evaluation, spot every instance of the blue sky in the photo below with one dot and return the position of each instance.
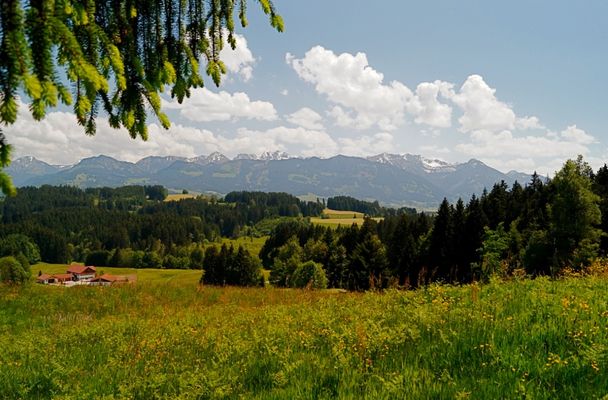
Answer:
(519, 85)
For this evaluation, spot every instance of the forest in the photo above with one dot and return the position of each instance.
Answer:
(543, 227)
(133, 227)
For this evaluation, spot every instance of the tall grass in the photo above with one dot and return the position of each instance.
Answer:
(535, 339)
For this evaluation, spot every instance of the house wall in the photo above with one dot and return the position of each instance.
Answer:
(81, 277)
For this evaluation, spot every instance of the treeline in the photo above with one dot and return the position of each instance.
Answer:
(372, 209)
(131, 226)
(31, 200)
(263, 205)
(539, 229)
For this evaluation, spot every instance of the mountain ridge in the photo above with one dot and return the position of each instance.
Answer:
(392, 179)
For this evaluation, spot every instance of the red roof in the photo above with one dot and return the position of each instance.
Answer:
(44, 277)
(115, 278)
(63, 277)
(105, 278)
(81, 269)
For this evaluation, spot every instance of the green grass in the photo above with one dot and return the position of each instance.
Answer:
(186, 277)
(334, 218)
(335, 214)
(252, 244)
(180, 196)
(521, 339)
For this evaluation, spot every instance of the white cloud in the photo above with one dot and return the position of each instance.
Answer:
(204, 106)
(306, 118)
(361, 98)
(482, 110)
(366, 145)
(296, 141)
(58, 139)
(350, 82)
(506, 151)
(529, 123)
(240, 60)
(574, 134)
(434, 151)
(285, 92)
(425, 105)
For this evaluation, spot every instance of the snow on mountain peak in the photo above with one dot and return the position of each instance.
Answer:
(273, 156)
(413, 162)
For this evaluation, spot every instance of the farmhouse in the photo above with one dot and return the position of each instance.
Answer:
(62, 278)
(107, 279)
(84, 275)
(82, 272)
(45, 279)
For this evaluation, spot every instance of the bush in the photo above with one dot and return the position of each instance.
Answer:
(11, 271)
(309, 275)
(15, 244)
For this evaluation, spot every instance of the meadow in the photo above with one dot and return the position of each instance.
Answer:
(249, 243)
(524, 338)
(146, 275)
(335, 218)
(180, 196)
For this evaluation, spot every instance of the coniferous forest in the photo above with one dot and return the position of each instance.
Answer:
(540, 227)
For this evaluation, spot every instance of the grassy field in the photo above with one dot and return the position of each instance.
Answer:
(335, 214)
(180, 196)
(252, 244)
(179, 276)
(522, 339)
(334, 218)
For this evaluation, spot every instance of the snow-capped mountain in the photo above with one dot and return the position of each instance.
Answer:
(389, 178)
(273, 156)
(265, 156)
(154, 164)
(414, 163)
(245, 156)
(213, 158)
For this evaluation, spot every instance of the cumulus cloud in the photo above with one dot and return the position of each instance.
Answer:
(348, 81)
(204, 105)
(434, 150)
(306, 118)
(529, 123)
(239, 61)
(505, 151)
(425, 105)
(296, 141)
(481, 109)
(366, 145)
(361, 99)
(574, 134)
(58, 139)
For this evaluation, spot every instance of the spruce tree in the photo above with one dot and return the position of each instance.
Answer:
(115, 56)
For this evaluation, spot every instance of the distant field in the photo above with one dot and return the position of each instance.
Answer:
(334, 218)
(177, 197)
(536, 339)
(252, 244)
(335, 214)
(179, 276)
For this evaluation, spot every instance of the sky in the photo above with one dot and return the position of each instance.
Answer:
(519, 85)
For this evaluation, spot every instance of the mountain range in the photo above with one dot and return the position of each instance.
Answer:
(392, 179)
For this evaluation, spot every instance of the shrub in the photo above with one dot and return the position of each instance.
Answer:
(309, 275)
(11, 271)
